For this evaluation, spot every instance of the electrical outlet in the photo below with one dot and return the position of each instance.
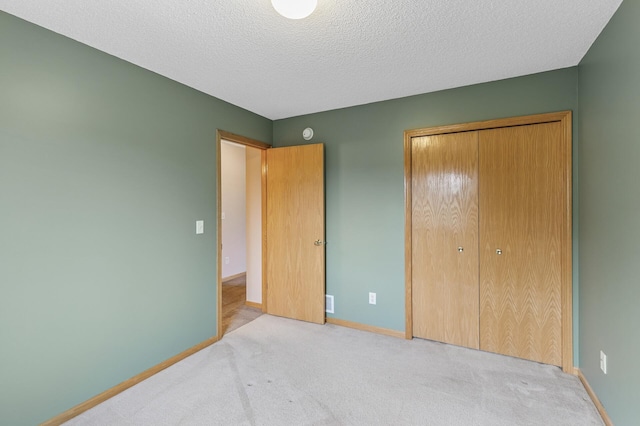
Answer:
(603, 362)
(372, 298)
(199, 227)
(226, 260)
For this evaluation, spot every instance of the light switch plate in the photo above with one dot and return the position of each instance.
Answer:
(199, 226)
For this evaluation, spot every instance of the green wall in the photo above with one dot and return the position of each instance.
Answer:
(609, 87)
(365, 179)
(104, 169)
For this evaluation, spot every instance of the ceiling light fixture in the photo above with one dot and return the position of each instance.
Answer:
(294, 9)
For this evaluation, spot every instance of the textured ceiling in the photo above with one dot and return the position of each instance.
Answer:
(346, 53)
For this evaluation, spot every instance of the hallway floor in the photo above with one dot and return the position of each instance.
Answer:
(235, 313)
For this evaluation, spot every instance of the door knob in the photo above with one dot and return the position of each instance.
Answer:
(498, 251)
(319, 242)
(460, 249)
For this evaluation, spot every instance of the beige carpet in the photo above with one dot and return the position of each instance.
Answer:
(275, 371)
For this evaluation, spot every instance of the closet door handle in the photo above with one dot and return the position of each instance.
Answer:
(460, 249)
(498, 252)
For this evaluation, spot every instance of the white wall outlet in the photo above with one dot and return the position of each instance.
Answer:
(603, 362)
(226, 260)
(328, 303)
(372, 298)
(199, 226)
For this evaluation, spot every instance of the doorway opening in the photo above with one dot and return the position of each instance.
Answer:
(240, 224)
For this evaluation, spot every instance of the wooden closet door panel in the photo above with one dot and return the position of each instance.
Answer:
(445, 217)
(522, 213)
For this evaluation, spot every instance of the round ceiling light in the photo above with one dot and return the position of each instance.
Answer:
(294, 9)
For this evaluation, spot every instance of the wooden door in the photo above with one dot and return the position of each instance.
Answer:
(445, 238)
(522, 212)
(295, 263)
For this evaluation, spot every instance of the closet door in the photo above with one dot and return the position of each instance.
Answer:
(522, 225)
(445, 238)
